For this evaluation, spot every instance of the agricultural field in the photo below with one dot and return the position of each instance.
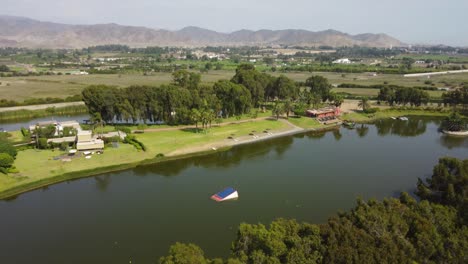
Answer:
(62, 86)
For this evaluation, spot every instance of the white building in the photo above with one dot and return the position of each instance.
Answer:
(342, 61)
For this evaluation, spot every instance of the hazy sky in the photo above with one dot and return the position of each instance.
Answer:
(412, 21)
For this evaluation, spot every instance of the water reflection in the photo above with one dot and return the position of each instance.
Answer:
(223, 159)
(411, 128)
(337, 134)
(362, 130)
(103, 181)
(451, 142)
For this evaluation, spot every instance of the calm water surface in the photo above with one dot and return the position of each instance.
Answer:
(135, 215)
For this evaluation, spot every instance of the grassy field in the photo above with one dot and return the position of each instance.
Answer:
(305, 122)
(374, 92)
(388, 113)
(61, 86)
(38, 167)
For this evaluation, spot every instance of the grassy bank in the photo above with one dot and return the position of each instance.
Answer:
(38, 168)
(29, 114)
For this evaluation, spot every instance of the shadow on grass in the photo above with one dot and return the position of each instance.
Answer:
(193, 130)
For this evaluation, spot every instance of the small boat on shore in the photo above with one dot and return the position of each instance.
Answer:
(349, 124)
(226, 194)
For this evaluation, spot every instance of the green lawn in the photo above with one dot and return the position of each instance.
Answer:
(167, 142)
(305, 122)
(388, 113)
(38, 166)
(374, 92)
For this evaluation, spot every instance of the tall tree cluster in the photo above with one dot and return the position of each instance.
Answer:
(457, 97)
(403, 96)
(186, 100)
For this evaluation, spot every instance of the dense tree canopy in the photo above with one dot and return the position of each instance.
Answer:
(319, 85)
(255, 81)
(403, 96)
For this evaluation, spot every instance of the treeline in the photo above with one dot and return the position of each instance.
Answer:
(403, 96)
(380, 86)
(361, 68)
(38, 101)
(403, 230)
(457, 97)
(186, 101)
(28, 114)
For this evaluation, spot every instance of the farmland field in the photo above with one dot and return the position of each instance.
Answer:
(61, 86)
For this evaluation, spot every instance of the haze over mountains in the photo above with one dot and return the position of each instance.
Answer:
(25, 32)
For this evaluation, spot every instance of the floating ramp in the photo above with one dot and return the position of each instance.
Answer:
(224, 195)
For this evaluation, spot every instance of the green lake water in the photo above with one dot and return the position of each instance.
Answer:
(135, 215)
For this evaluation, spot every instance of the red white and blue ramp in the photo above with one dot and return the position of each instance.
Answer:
(226, 194)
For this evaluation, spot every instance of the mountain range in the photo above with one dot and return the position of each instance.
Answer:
(26, 32)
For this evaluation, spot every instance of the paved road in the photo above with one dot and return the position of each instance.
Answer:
(38, 107)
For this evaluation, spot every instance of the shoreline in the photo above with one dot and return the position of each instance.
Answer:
(182, 154)
(12, 193)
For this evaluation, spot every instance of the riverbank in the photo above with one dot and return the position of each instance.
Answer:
(40, 168)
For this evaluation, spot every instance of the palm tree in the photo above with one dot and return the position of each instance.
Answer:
(338, 100)
(364, 104)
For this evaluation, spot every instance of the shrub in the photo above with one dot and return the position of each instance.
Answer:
(7, 147)
(42, 143)
(25, 132)
(130, 139)
(126, 130)
(371, 110)
(63, 146)
(6, 160)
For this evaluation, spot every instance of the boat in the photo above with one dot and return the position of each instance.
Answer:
(393, 117)
(349, 124)
(224, 195)
(403, 118)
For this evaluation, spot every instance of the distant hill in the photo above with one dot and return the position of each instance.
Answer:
(25, 32)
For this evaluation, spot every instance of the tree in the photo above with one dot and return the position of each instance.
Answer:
(183, 78)
(254, 81)
(6, 161)
(278, 110)
(454, 122)
(184, 254)
(386, 94)
(8, 148)
(282, 88)
(364, 104)
(288, 107)
(4, 68)
(319, 85)
(195, 116)
(235, 99)
(407, 62)
(315, 100)
(336, 99)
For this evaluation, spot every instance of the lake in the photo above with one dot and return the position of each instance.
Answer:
(135, 215)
